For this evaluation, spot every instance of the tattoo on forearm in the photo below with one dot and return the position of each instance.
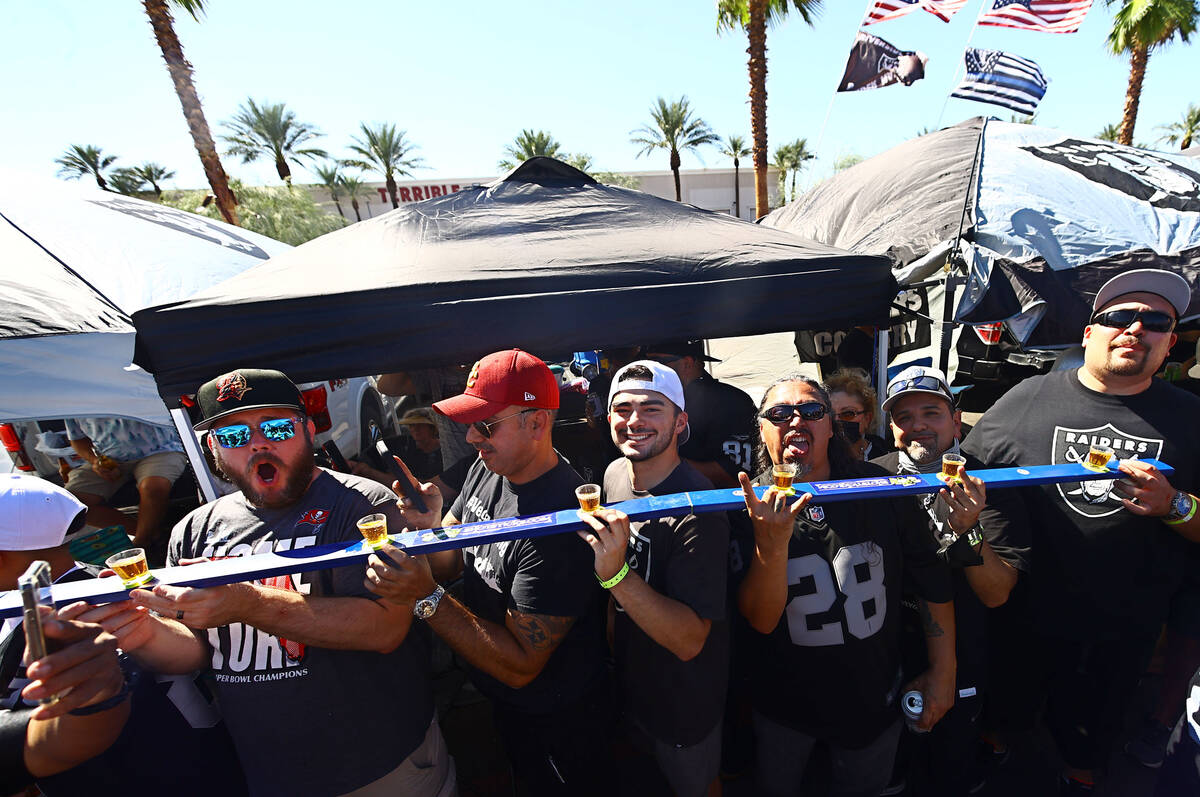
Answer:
(931, 626)
(543, 631)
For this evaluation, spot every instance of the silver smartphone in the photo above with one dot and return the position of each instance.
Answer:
(35, 586)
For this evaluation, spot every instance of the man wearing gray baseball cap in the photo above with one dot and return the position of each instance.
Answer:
(1105, 554)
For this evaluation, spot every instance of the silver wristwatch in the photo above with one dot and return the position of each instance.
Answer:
(1181, 504)
(427, 606)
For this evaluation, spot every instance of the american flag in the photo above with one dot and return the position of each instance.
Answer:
(1048, 16)
(890, 9)
(1002, 79)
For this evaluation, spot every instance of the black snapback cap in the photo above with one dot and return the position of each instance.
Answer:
(245, 389)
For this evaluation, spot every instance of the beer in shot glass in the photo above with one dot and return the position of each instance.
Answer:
(589, 497)
(1098, 457)
(953, 467)
(374, 529)
(130, 565)
(783, 475)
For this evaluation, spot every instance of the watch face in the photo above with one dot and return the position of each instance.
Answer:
(1181, 504)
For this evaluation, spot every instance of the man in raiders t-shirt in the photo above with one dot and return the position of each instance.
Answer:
(823, 591)
(302, 664)
(667, 580)
(985, 550)
(529, 625)
(1105, 554)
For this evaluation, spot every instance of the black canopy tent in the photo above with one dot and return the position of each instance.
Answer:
(545, 259)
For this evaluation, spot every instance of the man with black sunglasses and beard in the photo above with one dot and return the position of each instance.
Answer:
(529, 624)
(822, 590)
(1105, 554)
(300, 663)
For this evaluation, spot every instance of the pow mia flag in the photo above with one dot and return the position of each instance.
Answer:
(875, 63)
(1096, 498)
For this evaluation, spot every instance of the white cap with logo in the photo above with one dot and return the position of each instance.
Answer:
(34, 514)
(662, 380)
(917, 379)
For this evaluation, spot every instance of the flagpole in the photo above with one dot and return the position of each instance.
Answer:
(982, 9)
(829, 107)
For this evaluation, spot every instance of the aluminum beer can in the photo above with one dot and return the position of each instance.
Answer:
(912, 704)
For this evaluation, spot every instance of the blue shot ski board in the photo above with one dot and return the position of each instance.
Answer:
(321, 557)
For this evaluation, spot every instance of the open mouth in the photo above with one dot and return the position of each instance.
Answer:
(266, 472)
(796, 447)
(637, 438)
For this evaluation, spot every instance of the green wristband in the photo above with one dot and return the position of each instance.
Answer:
(615, 580)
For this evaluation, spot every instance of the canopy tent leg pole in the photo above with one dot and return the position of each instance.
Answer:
(881, 375)
(191, 446)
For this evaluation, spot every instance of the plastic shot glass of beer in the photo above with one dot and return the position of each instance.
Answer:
(130, 565)
(1098, 458)
(782, 476)
(374, 529)
(953, 468)
(589, 497)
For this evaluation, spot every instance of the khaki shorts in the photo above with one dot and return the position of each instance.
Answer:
(427, 772)
(167, 464)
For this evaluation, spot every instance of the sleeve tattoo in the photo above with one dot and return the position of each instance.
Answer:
(931, 626)
(543, 631)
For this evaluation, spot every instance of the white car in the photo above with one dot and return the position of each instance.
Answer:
(345, 411)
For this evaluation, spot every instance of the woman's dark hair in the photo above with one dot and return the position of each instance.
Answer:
(841, 459)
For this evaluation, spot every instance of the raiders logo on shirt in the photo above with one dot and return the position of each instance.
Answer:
(1096, 498)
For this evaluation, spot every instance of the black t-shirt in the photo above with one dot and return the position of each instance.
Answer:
(1006, 530)
(683, 558)
(831, 667)
(1097, 571)
(721, 420)
(550, 575)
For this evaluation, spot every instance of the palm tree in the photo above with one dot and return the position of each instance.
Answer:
(1109, 133)
(791, 157)
(581, 161)
(530, 144)
(753, 16)
(80, 161)
(1140, 26)
(271, 130)
(1184, 131)
(673, 129)
(127, 181)
(331, 177)
(735, 147)
(384, 150)
(354, 187)
(154, 174)
(193, 112)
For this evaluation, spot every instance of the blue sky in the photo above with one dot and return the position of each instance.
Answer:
(464, 78)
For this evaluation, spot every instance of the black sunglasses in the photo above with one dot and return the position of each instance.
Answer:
(485, 429)
(1152, 320)
(783, 413)
(919, 383)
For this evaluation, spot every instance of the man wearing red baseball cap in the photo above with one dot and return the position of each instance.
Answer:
(529, 623)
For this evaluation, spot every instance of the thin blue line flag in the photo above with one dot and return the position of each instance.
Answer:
(1003, 79)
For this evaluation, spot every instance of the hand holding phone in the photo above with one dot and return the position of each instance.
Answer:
(401, 475)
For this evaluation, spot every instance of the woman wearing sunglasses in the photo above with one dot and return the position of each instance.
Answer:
(822, 595)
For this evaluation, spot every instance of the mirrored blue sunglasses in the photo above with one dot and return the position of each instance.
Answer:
(237, 435)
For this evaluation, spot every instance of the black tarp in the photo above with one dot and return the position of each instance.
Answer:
(545, 259)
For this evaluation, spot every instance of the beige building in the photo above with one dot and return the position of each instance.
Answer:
(711, 189)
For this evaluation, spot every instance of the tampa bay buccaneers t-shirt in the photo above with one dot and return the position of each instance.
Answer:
(1097, 570)
(297, 713)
